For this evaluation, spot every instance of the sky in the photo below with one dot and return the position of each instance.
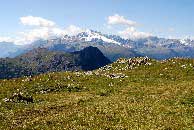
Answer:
(27, 20)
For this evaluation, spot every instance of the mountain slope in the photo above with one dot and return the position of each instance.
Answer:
(114, 46)
(148, 94)
(91, 58)
(112, 51)
(9, 49)
(41, 60)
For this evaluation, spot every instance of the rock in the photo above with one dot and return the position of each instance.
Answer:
(121, 61)
(184, 66)
(138, 61)
(96, 73)
(19, 97)
(88, 73)
(116, 76)
(6, 100)
(111, 84)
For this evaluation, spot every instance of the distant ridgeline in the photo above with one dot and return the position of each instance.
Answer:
(112, 46)
(42, 60)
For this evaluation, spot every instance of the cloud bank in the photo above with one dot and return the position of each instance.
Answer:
(120, 20)
(46, 32)
(36, 21)
(40, 29)
(130, 30)
(6, 39)
(132, 33)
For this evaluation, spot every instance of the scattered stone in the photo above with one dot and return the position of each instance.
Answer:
(138, 61)
(122, 61)
(78, 74)
(19, 97)
(6, 100)
(68, 77)
(111, 84)
(184, 66)
(116, 76)
(148, 63)
(89, 73)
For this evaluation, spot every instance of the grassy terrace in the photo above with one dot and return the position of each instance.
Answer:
(155, 96)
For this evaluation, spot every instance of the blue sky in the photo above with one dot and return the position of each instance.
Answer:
(164, 18)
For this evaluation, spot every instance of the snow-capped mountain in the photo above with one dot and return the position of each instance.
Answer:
(98, 37)
(111, 45)
(114, 46)
(93, 36)
(87, 36)
(187, 42)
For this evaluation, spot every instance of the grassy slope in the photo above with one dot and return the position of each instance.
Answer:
(159, 96)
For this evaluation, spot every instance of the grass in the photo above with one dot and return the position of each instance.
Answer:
(159, 96)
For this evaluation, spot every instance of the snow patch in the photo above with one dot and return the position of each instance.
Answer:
(91, 35)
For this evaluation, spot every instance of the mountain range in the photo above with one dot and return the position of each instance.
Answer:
(42, 60)
(112, 46)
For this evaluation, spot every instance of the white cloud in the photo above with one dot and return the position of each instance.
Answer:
(171, 29)
(120, 20)
(42, 29)
(32, 35)
(132, 33)
(29, 36)
(72, 30)
(6, 39)
(130, 30)
(36, 21)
